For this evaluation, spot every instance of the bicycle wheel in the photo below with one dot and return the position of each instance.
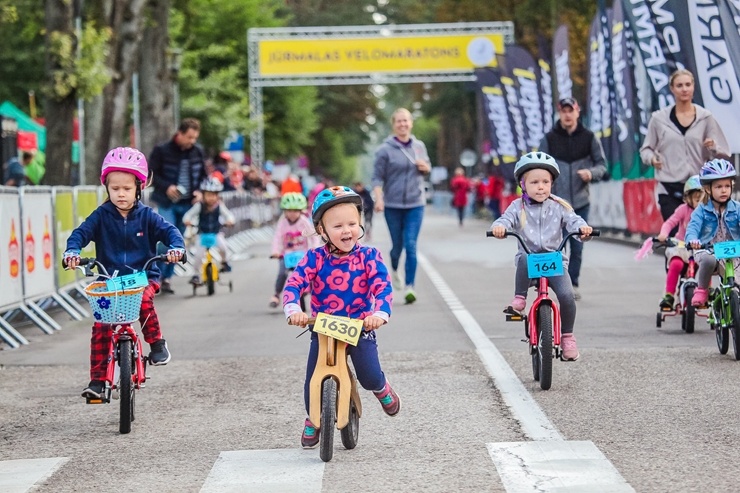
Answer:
(735, 313)
(688, 313)
(328, 419)
(544, 345)
(535, 363)
(722, 333)
(126, 385)
(210, 283)
(351, 431)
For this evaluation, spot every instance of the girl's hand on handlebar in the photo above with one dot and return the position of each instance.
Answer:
(71, 261)
(662, 238)
(586, 232)
(300, 319)
(498, 231)
(695, 244)
(372, 322)
(174, 255)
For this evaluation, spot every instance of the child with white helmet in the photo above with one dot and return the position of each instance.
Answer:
(347, 279)
(293, 234)
(678, 256)
(210, 216)
(125, 233)
(715, 219)
(540, 217)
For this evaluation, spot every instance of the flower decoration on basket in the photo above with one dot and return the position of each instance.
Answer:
(104, 303)
(97, 316)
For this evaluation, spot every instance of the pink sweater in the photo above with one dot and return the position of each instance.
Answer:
(293, 237)
(680, 218)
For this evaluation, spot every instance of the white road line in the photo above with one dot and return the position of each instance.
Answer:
(19, 476)
(266, 471)
(525, 409)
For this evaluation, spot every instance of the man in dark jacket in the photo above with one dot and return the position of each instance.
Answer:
(178, 167)
(581, 161)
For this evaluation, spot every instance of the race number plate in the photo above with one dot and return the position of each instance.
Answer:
(548, 264)
(340, 328)
(129, 281)
(291, 259)
(727, 249)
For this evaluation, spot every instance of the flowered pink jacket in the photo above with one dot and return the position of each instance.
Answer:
(680, 218)
(356, 285)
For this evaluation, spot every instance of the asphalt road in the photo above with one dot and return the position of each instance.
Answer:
(658, 403)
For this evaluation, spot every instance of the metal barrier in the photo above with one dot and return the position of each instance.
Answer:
(11, 278)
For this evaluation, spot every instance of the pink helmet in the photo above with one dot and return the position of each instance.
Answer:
(126, 159)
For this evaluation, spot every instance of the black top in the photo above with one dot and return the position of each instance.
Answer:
(678, 125)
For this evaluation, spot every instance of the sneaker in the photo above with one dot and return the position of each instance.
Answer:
(700, 297)
(576, 293)
(159, 354)
(396, 280)
(225, 267)
(274, 301)
(389, 399)
(94, 390)
(310, 436)
(666, 304)
(195, 280)
(166, 288)
(519, 303)
(410, 295)
(568, 345)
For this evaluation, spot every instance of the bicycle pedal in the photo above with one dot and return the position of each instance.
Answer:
(88, 400)
(514, 318)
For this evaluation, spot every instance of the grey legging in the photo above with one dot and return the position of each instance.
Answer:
(708, 264)
(563, 290)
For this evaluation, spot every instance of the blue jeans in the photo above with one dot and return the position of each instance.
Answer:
(172, 214)
(404, 226)
(576, 250)
(364, 360)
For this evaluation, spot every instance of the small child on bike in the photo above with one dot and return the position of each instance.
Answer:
(678, 257)
(209, 216)
(540, 218)
(293, 233)
(347, 279)
(125, 233)
(715, 219)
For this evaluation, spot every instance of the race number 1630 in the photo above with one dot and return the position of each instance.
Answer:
(343, 329)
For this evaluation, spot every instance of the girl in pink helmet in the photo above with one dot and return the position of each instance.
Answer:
(125, 233)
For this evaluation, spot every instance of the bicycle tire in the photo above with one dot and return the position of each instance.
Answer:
(210, 283)
(351, 432)
(535, 363)
(544, 345)
(689, 312)
(722, 333)
(735, 313)
(328, 419)
(125, 385)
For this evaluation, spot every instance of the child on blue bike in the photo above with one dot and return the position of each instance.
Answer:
(346, 279)
(540, 218)
(125, 233)
(715, 219)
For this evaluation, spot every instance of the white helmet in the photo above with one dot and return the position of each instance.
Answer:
(211, 184)
(536, 160)
(716, 169)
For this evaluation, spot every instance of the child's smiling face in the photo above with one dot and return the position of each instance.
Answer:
(341, 225)
(538, 184)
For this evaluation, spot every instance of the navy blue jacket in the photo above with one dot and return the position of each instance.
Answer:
(164, 163)
(125, 243)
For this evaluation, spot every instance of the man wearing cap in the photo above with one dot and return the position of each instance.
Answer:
(581, 160)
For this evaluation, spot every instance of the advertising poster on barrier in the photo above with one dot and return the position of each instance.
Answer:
(10, 248)
(86, 199)
(64, 217)
(39, 264)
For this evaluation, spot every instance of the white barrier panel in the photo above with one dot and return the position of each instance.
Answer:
(11, 291)
(607, 205)
(39, 261)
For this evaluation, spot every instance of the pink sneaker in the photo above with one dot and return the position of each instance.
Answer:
(700, 297)
(389, 400)
(310, 436)
(568, 345)
(519, 303)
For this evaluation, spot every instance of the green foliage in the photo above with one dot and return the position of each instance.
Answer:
(22, 55)
(91, 68)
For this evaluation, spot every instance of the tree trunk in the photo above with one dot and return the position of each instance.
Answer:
(59, 110)
(94, 149)
(156, 79)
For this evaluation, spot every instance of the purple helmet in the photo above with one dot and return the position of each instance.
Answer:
(716, 169)
(126, 159)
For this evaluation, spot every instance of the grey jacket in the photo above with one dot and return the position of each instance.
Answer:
(395, 170)
(541, 225)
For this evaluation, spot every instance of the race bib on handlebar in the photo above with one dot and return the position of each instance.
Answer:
(129, 281)
(549, 264)
(727, 249)
(208, 240)
(343, 329)
(291, 259)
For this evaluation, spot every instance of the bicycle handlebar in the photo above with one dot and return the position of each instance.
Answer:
(595, 232)
(90, 262)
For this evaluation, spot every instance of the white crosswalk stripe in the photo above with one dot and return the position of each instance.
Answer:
(19, 476)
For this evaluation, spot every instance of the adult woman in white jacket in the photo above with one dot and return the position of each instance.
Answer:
(680, 139)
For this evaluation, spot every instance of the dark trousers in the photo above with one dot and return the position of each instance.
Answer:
(576, 249)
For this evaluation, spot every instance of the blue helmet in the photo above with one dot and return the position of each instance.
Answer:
(536, 160)
(716, 169)
(329, 197)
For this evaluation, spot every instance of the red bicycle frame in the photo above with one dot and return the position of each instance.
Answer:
(543, 296)
(123, 332)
